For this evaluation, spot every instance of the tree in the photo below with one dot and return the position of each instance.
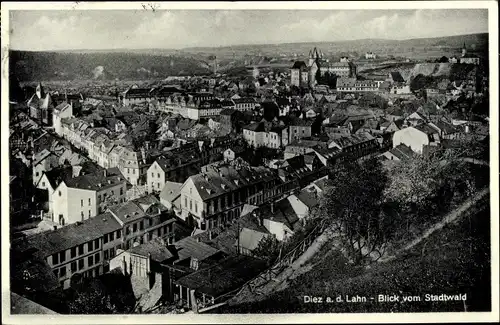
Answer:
(352, 205)
(268, 249)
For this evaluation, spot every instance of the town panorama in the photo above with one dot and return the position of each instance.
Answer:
(331, 176)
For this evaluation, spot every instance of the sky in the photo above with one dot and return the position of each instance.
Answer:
(175, 29)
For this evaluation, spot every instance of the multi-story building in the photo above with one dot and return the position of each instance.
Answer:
(174, 166)
(86, 247)
(216, 196)
(63, 110)
(265, 134)
(299, 74)
(205, 109)
(41, 106)
(244, 104)
(134, 165)
(355, 145)
(353, 85)
(299, 129)
(86, 196)
(74, 249)
(142, 220)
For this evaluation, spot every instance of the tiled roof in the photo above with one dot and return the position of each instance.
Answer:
(156, 247)
(135, 209)
(244, 100)
(426, 128)
(51, 242)
(224, 277)
(402, 152)
(170, 191)
(189, 247)
(95, 182)
(225, 178)
(396, 76)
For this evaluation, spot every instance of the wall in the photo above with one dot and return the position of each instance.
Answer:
(155, 176)
(79, 263)
(411, 137)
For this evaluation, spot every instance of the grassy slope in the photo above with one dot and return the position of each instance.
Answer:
(453, 260)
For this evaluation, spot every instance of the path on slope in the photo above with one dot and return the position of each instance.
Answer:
(450, 217)
(295, 269)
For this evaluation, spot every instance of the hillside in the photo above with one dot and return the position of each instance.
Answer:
(412, 48)
(454, 260)
(33, 66)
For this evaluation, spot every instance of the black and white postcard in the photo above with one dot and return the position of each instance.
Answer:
(229, 162)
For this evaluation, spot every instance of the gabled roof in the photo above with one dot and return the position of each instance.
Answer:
(170, 191)
(155, 248)
(299, 65)
(396, 76)
(402, 152)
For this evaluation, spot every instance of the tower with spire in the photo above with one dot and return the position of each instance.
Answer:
(464, 50)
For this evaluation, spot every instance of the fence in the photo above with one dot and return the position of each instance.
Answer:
(281, 263)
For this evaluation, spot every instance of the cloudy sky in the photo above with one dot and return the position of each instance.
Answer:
(136, 29)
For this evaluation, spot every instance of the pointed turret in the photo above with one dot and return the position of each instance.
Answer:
(464, 50)
(40, 93)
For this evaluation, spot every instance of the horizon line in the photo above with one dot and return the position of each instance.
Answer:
(247, 44)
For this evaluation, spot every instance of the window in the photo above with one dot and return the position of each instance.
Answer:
(62, 256)
(105, 238)
(89, 202)
(133, 171)
(112, 192)
(121, 190)
(56, 272)
(96, 243)
(135, 227)
(112, 252)
(80, 264)
(112, 236)
(118, 234)
(91, 260)
(158, 175)
(73, 252)
(106, 254)
(90, 246)
(141, 225)
(185, 201)
(97, 257)
(150, 235)
(59, 193)
(81, 215)
(62, 272)
(89, 213)
(159, 232)
(195, 207)
(73, 267)
(37, 173)
(190, 204)
(55, 259)
(81, 201)
(80, 250)
(43, 184)
(127, 230)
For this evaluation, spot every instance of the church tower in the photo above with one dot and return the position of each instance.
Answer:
(464, 50)
(40, 93)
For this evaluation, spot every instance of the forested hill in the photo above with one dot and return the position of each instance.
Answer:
(33, 66)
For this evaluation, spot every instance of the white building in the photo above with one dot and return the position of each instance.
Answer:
(86, 196)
